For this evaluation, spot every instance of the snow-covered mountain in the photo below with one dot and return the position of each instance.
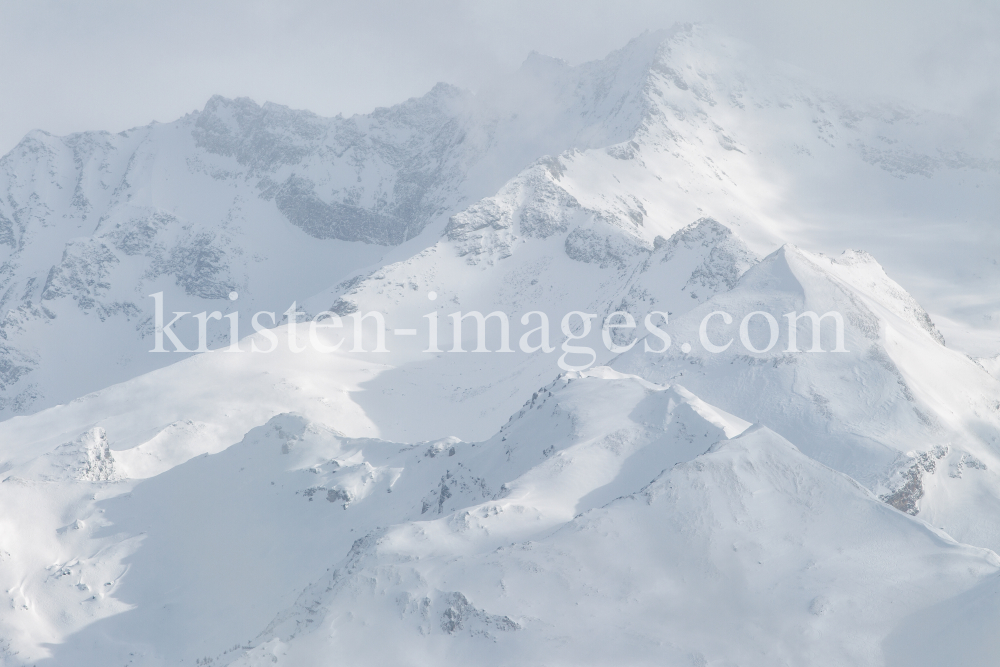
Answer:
(655, 505)
(277, 205)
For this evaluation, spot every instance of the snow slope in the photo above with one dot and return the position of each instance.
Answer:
(409, 506)
(915, 422)
(548, 531)
(721, 560)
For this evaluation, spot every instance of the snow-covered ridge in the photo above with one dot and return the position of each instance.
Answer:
(277, 204)
(283, 508)
(459, 545)
(915, 422)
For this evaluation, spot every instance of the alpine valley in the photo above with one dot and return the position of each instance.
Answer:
(426, 498)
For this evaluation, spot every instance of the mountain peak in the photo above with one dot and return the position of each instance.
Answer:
(537, 63)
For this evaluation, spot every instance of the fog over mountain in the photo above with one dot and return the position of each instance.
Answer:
(733, 396)
(116, 64)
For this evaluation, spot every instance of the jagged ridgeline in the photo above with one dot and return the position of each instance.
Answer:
(277, 204)
(693, 506)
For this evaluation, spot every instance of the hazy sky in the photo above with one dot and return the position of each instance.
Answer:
(113, 64)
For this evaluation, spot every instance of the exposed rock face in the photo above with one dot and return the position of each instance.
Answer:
(906, 498)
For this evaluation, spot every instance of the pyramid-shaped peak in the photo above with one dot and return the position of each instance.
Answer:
(819, 279)
(783, 270)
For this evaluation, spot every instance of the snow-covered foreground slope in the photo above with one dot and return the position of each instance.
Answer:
(605, 523)
(722, 560)
(701, 503)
